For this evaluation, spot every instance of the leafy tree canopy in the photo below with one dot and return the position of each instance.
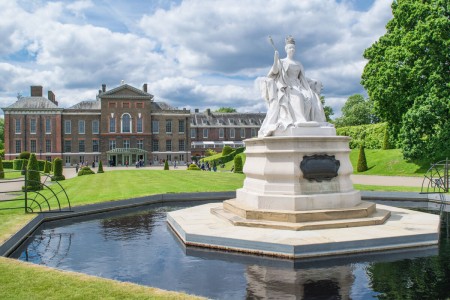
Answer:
(226, 110)
(327, 109)
(356, 111)
(407, 77)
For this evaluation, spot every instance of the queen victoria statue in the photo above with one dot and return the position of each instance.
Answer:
(293, 99)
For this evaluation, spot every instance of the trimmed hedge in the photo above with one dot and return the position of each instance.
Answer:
(33, 174)
(226, 150)
(47, 167)
(58, 170)
(2, 174)
(166, 165)
(224, 159)
(371, 135)
(17, 164)
(85, 171)
(193, 167)
(8, 164)
(24, 155)
(238, 167)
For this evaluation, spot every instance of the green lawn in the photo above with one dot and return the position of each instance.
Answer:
(388, 163)
(20, 280)
(43, 283)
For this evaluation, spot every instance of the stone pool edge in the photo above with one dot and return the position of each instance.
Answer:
(397, 199)
(11, 244)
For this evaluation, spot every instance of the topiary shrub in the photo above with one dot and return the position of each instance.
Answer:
(193, 167)
(238, 167)
(24, 155)
(362, 162)
(2, 173)
(58, 170)
(85, 171)
(166, 165)
(24, 166)
(41, 165)
(33, 182)
(226, 150)
(47, 167)
(100, 167)
(8, 164)
(17, 164)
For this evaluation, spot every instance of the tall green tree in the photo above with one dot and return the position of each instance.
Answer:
(356, 111)
(407, 76)
(226, 110)
(327, 109)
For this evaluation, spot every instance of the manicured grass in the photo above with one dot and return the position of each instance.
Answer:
(19, 280)
(388, 163)
(380, 188)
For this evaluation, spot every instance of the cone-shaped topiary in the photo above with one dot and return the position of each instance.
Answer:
(2, 173)
(25, 155)
(100, 167)
(33, 175)
(362, 162)
(386, 144)
(58, 170)
(47, 167)
(166, 165)
(238, 164)
(24, 166)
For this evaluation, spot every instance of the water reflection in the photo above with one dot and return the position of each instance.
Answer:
(139, 247)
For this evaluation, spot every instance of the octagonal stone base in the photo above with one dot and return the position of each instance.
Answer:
(196, 226)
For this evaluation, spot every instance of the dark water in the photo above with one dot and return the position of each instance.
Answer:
(138, 246)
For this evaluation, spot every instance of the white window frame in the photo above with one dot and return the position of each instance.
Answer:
(81, 127)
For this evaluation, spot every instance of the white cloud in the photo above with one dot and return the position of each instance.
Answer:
(194, 53)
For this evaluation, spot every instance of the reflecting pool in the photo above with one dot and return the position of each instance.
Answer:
(137, 245)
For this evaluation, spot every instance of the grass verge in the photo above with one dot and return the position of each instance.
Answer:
(20, 280)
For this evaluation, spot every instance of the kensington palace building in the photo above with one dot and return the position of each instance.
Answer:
(122, 126)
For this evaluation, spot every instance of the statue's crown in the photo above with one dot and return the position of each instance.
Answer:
(290, 40)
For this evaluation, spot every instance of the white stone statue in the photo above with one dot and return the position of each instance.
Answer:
(293, 100)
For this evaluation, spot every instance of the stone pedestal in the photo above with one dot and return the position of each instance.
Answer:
(298, 201)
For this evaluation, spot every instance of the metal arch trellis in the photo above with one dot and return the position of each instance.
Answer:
(436, 181)
(49, 196)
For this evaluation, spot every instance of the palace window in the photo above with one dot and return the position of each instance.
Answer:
(193, 133)
(126, 123)
(232, 133)
(81, 127)
(67, 146)
(139, 125)
(48, 146)
(67, 127)
(33, 126)
(181, 145)
(242, 132)
(155, 145)
(95, 127)
(18, 126)
(95, 146)
(155, 126)
(168, 126)
(205, 133)
(126, 144)
(112, 124)
(181, 126)
(81, 146)
(140, 144)
(168, 145)
(112, 144)
(18, 146)
(33, 146)
(48, 126)
(221, 133)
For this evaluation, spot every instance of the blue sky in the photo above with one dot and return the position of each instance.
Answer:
(193, 54)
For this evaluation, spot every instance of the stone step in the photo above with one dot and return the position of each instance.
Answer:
(377, 218)
(362, 210)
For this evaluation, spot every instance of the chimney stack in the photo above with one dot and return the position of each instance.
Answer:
(103, 88)
(144, 87)
(208, 111)
(196, 110)
(51, 96)
(36, 91)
